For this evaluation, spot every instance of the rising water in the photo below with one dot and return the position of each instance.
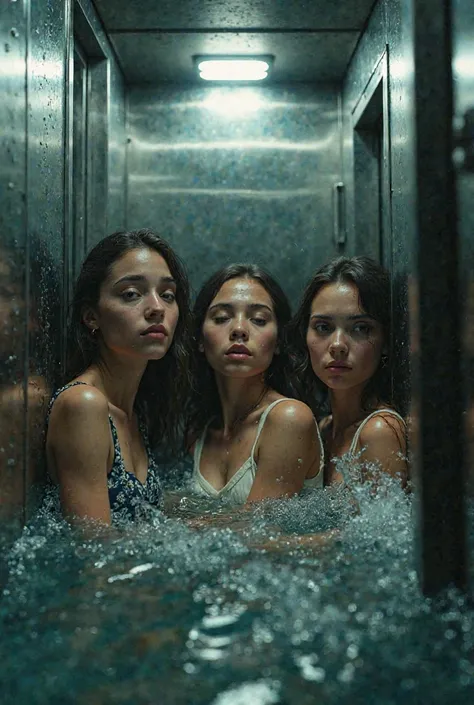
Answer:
(313, 599)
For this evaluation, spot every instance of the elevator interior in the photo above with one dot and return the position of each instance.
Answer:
(349, 148)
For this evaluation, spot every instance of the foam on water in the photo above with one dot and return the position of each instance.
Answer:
(312, 599)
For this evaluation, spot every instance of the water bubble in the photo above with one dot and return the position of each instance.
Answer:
(347, 673)
(352, 651)
(258, 693)
(14, 32)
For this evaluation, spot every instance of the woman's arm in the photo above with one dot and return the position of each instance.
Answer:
(288, 451)
(79, 443)
(383, 443)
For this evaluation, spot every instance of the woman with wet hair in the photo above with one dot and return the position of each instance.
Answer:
(127, 378)
(249, 440)
(341, 338)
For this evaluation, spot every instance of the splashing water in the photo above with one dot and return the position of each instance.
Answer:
(312, 599)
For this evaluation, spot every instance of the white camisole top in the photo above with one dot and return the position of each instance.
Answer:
(237, 490)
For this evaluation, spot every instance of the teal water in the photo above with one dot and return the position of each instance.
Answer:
(246, 611)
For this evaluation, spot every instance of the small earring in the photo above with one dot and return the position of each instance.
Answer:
(94, 331)
(384, 361)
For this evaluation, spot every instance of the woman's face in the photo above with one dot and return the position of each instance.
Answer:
(344, 342)
(137, 312)
(239, 334)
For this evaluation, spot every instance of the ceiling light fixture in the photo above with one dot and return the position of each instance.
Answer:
(233, 68)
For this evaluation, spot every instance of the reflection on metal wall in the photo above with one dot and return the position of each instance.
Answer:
(34, 223)
(13, 40)
(463, 70)
(236, 174)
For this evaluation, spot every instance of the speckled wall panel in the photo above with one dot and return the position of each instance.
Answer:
(236, 174)
(193, 14)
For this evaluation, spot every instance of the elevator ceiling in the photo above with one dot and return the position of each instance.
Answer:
(311, 40)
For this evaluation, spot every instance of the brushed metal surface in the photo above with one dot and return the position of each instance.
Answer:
(236, 174)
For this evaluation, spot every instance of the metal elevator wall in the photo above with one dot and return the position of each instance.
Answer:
(237, 174)
(35, 224)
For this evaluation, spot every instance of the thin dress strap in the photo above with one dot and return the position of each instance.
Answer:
(356, 438)
(263, 418)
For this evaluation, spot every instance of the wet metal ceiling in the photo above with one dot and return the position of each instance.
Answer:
(311, 40)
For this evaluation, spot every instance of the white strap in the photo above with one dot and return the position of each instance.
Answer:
(355, 440)
(263, 418)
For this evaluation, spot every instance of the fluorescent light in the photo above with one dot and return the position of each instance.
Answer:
(233, 69)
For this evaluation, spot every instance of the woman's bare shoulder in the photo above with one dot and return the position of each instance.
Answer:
(80, 405)
(292, 415)
(384, 426)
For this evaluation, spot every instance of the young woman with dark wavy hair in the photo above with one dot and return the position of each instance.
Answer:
(341, 337)
(127, 378)
(250, 441)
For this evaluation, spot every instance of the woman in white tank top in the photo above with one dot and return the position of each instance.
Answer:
(249, 440)
(341, 335)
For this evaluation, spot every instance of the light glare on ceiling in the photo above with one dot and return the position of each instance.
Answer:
(237, 69)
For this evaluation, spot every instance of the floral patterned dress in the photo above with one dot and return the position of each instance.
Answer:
(129, 498)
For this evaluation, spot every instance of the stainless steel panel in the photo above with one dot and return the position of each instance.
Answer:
(236, 174)
(116, 150)
(34, 149)
(46, 217)
(97, 160)
(310, 57)
(463, 71)
(242, 14)
(402, 141)
(13, 297)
